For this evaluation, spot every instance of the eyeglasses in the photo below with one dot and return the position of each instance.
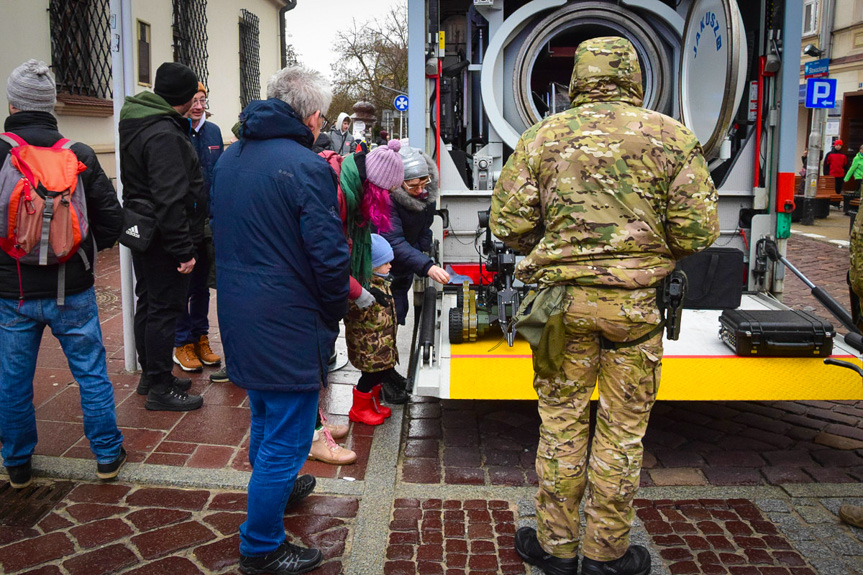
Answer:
(202, 102)
(326, 123)
(416, 184)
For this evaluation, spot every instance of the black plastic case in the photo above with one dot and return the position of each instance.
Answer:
(776, 333)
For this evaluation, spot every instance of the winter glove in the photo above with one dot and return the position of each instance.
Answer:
(365, 300)
(380, 297)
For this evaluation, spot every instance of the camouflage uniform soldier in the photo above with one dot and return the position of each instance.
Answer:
(604, 198)
(853, 514)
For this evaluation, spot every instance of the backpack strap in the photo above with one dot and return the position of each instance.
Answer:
(47, 214)
(13, 140)
(61, 284)
(63, 144)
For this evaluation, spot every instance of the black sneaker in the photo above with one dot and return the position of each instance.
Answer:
(173, 400)
(20, 476)
(181, 383)
(220, 376)
(636, 561)
(391, 393)
(303, 486)
(529, 549)
(288, 559)
(107, 471)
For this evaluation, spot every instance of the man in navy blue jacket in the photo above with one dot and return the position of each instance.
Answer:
(192, 342)
(283, 287)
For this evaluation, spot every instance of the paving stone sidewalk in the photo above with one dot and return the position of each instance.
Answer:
(746, 488)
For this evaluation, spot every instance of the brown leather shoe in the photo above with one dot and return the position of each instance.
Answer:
(852, 515)
(204, 353)
(324, 448)
(187, 360)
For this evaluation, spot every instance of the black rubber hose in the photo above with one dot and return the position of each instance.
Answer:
(855, 340)
(428, 322)
(835, 308)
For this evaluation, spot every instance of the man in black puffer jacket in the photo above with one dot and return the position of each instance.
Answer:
(29, 297)
(162, 179)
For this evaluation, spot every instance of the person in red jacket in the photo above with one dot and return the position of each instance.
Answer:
(835, 163)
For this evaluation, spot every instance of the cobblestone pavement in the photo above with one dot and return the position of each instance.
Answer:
(728, 487)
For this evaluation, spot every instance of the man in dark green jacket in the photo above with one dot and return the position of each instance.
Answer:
(162, 179)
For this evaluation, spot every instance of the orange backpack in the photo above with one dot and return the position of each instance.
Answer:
(43, 212)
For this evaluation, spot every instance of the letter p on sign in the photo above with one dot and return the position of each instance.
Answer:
(820, 93)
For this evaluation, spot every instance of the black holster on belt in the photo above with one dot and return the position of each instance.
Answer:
(670, 296)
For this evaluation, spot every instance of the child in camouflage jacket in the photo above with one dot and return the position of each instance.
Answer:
(371, 337)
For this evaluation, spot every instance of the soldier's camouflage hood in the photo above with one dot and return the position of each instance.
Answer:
(606, 69)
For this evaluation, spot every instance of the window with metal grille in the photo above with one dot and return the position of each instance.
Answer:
(190, 36)
(250, 58)
(81, 47)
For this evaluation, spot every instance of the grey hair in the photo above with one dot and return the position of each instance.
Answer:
(303, 89)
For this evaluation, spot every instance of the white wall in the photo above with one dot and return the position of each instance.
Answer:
(25, 34)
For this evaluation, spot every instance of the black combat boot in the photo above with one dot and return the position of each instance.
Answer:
(165, 396)
(181, 383)
(392, 393)
(529, 549)
(398, 380)
(636, 561)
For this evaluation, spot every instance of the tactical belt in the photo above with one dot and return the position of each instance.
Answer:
(605, 343)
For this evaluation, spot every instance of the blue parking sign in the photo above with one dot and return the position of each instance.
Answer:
(820, 93)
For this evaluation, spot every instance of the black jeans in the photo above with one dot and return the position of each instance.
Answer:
(162, 294)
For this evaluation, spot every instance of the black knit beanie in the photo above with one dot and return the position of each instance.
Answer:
(176, 83)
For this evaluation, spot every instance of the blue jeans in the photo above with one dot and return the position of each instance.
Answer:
(76, 325)
(194, 321)
(283, 424)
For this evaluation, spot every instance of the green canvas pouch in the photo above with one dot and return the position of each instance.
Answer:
(540, 321)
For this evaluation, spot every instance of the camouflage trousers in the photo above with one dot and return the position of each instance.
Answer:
(628, 379)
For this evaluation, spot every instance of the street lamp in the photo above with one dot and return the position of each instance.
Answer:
(812, 50)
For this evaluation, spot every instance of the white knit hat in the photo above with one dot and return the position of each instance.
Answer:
(31, 87)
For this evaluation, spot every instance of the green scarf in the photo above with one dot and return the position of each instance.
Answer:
(358, 231)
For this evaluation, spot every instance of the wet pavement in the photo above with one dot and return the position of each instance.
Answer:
(727, 487)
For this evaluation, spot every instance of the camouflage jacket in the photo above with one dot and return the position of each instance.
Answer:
(606, 193)
(371, 333)
(857, 256)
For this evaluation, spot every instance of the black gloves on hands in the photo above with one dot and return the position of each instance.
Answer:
(380, 297)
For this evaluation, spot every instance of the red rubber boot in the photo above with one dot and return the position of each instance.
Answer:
(363, 410)
(382, 409)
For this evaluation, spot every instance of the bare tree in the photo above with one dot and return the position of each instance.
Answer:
(373, 61)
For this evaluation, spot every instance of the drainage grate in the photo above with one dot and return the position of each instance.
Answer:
(26, 507)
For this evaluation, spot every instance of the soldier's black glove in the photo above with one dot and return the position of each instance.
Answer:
(380, 297)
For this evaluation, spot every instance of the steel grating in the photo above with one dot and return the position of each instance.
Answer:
(81, 47)
(24, 508)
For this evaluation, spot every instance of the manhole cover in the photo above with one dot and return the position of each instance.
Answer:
(25, 507)
(106, 295)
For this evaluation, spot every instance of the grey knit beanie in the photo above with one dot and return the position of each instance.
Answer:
(415, 164)
(31, 87)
